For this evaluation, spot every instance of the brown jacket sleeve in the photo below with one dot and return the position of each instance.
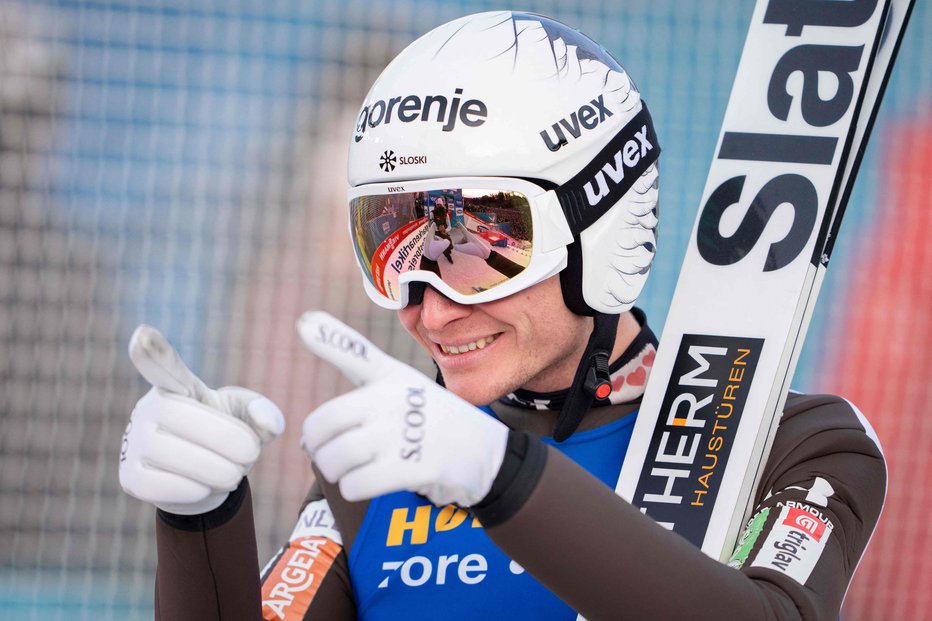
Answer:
(208, 566)
(615, 563)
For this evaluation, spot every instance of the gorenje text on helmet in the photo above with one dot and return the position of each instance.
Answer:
(411, 108)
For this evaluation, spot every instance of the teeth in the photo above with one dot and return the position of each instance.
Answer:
(462, 349)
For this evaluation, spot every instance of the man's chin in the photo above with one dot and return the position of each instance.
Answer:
(475, 391)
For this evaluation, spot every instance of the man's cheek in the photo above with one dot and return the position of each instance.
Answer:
(408, 318)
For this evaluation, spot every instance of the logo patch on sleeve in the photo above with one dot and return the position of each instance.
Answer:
(316, 521)
(804, 520)
(796, 542)
(749, 538)
(290, 587)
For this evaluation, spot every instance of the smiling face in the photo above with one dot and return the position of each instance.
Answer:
(527, 340)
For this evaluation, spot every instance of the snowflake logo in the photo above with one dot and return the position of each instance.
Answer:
(388, 161)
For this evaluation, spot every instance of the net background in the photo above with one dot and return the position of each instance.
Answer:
(181, 163)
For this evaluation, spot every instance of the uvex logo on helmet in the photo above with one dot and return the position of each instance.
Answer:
(587, 117)
(414, 109)
(627, 156)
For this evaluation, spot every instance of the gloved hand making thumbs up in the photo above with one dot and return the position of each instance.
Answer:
(186, 446)
(399, 430)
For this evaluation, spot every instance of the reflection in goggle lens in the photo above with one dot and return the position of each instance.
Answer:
(473, 240)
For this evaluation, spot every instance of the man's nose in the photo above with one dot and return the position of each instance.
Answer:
(437, 310)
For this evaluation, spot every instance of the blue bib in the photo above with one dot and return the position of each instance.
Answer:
(412, 560)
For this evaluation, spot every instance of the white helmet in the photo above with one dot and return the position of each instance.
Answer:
(504, 94)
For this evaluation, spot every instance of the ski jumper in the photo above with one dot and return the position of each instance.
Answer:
(567, 543)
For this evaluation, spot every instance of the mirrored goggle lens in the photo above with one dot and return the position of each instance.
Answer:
(473, 239)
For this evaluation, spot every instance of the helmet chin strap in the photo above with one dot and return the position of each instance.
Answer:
(592, 381)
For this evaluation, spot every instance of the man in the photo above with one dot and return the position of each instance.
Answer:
(428, 506)
(439, 214)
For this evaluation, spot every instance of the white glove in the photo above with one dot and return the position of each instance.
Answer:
(400, 430)
(186, 447)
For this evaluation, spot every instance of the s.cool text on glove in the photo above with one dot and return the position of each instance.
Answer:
(414, 424)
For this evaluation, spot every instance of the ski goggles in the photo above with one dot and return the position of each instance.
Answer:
(479, 239)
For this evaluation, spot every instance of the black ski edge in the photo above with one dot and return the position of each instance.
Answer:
(833, 207)
(868, 129)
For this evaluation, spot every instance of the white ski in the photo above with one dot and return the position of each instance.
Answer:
(807, 90)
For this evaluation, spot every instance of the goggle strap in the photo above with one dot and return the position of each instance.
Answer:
(416, 294)
(596, 188)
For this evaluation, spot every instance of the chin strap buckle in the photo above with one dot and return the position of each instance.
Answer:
(598, 380)
(592, 380)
